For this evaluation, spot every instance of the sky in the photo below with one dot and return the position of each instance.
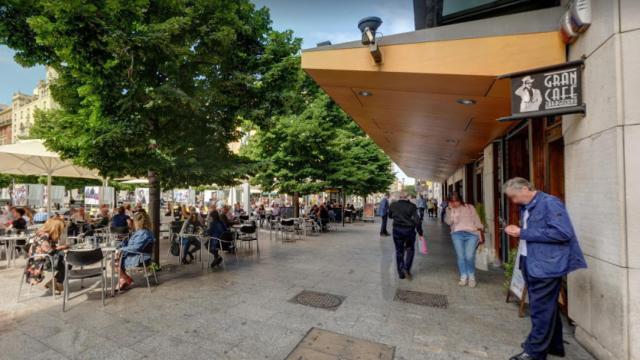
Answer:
(312, 20)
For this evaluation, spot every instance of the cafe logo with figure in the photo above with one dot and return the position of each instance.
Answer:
(549, 91)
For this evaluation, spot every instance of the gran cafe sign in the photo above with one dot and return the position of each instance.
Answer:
(548, 91)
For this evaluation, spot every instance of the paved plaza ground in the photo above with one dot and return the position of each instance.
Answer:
(245, 312)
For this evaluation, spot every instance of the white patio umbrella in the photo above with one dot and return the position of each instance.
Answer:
(135, 181)
(30, 157)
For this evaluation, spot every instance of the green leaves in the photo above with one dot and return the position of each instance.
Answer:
(176, 75)
(318, 148)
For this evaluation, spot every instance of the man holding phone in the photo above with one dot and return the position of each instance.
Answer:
(548, 251)
(406, 222)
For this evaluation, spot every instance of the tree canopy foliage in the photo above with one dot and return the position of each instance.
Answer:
(317, 148)
(153, 85)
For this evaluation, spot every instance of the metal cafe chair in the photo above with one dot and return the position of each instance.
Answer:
(79, 259)
(248, 233)
(288, 230)
(146, 268)
(49, 258)
(229, 238)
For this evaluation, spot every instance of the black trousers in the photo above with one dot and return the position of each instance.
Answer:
(546, 323)
(405, 241)
(383, 225)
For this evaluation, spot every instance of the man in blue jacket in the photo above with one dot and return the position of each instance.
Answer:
(383, 212)
(548, 251)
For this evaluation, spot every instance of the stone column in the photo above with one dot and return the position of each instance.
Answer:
(602, 168)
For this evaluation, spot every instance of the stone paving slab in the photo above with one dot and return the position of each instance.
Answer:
(245, 313)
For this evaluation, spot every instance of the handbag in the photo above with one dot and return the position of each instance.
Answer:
(422, 246)
(174, 247)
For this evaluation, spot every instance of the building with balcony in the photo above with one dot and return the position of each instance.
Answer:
(25, 106)
(5, 124)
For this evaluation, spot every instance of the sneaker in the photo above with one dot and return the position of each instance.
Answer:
(408, 274)
(462, 282)
(402, 275)
(472, 283)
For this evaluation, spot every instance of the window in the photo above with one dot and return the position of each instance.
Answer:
(454, 11)
(432, 13)
(455, 6)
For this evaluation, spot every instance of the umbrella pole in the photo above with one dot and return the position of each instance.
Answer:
(49, 197)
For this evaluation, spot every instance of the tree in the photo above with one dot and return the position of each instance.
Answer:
(362, 168)
(294, 154)
(318, 148)
(153, 88)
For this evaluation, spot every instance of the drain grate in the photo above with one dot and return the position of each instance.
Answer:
(323, 344)
(422, 298)
(318, 300)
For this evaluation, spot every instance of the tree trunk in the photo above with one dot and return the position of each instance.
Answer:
(154, 213)
(296, 204)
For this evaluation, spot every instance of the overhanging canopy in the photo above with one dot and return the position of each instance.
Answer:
(413, 110)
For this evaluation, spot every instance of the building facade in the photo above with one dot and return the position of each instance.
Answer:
(25, 106)
(5, 124)
(431, 99)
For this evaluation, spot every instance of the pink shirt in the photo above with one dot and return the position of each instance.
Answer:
(463, 218)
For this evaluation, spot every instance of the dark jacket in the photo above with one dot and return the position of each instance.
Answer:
(405, 214)
(217, 228)
(552, 245)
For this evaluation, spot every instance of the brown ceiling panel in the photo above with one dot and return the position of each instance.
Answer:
(412, 111)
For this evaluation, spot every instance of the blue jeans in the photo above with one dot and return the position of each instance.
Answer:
(465, 244)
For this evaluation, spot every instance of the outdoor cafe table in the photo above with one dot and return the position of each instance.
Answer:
(10, 243)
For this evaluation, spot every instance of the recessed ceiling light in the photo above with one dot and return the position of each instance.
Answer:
(365, 93)
(466, 101)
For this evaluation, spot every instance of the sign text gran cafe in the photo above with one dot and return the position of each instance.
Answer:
(548, 91)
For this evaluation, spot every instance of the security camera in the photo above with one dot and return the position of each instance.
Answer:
(368, 27)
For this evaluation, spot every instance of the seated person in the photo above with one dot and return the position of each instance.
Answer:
(46, 241)
(218, 230)
(121, 222)
(227, 216)
(41, 216)
(19, 223)
(189, 243)
(141, 241)
(324, 216)
(103, 217)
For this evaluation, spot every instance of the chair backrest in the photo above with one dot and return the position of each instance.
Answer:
(83, 257)
(176, 226)
(287, 222)
(248, 229)
(148, 249)
(120, 229)
(227, 236)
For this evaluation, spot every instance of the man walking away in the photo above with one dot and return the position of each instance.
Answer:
(406, 222)
(383, 212)
(443, 209)
(421, 203)
(548, 251)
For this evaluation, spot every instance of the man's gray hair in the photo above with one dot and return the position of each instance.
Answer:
(516, 183)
